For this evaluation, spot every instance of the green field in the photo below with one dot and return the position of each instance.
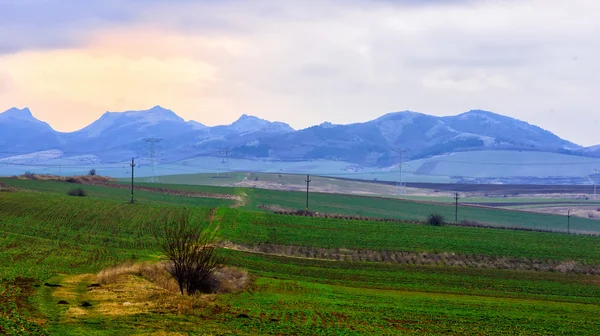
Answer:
(256, 199)
(48, 237)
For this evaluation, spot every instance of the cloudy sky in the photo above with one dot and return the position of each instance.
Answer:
(304, 61)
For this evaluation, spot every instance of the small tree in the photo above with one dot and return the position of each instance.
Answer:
(192, 254)
(79, 192)
(92, 172)
(435, 219)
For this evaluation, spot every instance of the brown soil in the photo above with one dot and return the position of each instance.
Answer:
(417, 258)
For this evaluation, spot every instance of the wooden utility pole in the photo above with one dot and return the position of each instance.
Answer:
(308, 180)
(456, 198)
(132, 167)
(569, 221)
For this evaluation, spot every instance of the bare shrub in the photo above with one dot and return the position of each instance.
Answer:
(191, 253)
(4, 188)
(79, 192)
(435, 219)
(71, 179)
(29, 175)
(231, 279)
(92, 172)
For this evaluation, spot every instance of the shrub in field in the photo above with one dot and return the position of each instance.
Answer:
(92, 172)
(29, 175)
(192, 256)
(4, 188)
(435, 219)
(79, 192)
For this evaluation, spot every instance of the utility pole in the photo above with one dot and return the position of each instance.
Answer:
(308, 180)
(569, 221)
(400, 155)
(456, 198)
(152, 144)
(132, 167)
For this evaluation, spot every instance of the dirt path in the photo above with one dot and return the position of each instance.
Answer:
(241, 200)
(211, 219)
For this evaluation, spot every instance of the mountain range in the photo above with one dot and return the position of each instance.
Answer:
(117, 136)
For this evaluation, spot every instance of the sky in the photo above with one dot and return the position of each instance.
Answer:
(304, 61)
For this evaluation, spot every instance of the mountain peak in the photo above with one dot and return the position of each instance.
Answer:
(16, 112)
(399, 114)
(248, 123)
(248, 117)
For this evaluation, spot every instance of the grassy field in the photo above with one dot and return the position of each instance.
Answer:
(257, 199)
(48, 237)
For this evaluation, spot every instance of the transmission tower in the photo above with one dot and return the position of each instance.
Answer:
(224, 152)
(152, 146)
(400, 155)
(595, 175)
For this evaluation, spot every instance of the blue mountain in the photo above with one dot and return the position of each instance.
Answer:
(117, 136)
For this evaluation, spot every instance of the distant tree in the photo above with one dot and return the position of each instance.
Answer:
(192, 255)
(435, 219)
(79, 192)
(92, 172)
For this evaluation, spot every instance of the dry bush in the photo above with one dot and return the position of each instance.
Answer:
(155, 273)
(29, 175)
(192, 255)
(92, 179)
(4, 188)
(85, 179)
(228, 279)
(231, 279)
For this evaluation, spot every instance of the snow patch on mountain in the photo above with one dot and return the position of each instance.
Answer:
(36, 157)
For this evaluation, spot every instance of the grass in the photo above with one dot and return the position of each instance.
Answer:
(123, 195)
(49, 237)
(410, 210)
(253, 228)
(328, 203)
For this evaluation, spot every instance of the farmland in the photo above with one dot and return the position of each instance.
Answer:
(47, 237)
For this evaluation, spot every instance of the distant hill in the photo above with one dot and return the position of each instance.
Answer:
(21, 133)
(117, 136)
